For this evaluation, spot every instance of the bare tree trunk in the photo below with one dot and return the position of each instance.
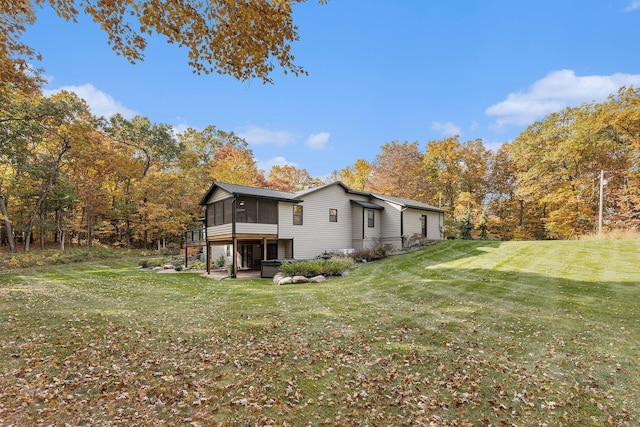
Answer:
(128, 234)
(61, 232)
(7, 225)
(89, 234)
(42, 231)
(521, 213)
(36, 211)
(62, 237)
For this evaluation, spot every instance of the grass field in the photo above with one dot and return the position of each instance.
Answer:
(461, 333)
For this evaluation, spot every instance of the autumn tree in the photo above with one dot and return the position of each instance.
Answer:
(201, 146)
(356, 176)
(505, 211)
(559, 160)
(443, 168)
(398, 171)
(91, 169)
(474, 159)
(166, 210)
(289, 178)
(15, 106)
(243, 39)
(199, 149)
(620, 116)
(37, 134)
(62, 201)
(15, 71)
(145, 145)
(235, 165)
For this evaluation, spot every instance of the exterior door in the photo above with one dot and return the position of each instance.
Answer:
(246, 253)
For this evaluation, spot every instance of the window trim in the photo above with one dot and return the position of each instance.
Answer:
(371, 218)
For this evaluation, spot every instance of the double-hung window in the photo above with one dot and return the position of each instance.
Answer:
(333, 215)
(297, 215)
(371, 218)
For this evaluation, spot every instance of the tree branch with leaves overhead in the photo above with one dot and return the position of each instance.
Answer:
(241, 38)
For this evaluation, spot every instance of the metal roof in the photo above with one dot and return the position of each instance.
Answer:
(406, 202)
(244, 190)
(367, 205)
(266, 193)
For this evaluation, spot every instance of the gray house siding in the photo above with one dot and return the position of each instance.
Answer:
(392, 225)
(334, 219)
(318, 234)
(413, 224)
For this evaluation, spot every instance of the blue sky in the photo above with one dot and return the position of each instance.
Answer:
(379, 71)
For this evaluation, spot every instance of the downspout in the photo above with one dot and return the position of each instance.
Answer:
(234, 242)
(402, 225)
(206, 241)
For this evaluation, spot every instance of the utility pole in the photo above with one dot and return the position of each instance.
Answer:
(601, 201)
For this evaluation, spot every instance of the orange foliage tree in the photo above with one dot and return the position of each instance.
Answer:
(243, 39)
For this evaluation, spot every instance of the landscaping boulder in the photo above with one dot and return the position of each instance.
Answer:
(276, 279)
(285, 281)
(300, 279)
(318, 279)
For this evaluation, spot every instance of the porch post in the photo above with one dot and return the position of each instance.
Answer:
(234, 263)
(207, 257)
(234, 242)
(264, 248)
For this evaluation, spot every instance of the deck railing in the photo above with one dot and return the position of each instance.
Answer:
(195, 236)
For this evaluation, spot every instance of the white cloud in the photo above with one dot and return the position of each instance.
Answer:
(100, 103)
(180, 128)
(635, 5)
(447, 129)
(556, 91)
(256, 135)
(318, 141)
(492, 145)
(279, 161)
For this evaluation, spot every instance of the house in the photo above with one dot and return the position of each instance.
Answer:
(259, 224)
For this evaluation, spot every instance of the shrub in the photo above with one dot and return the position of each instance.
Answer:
(337, 266)
(316, 267)
(144, 263)
(219, 263)
(373, 253)
(198, 265)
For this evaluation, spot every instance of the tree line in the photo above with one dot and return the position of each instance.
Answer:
(67, 176)
(543, 185)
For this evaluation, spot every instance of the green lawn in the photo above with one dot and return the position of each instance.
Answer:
(461, 333)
